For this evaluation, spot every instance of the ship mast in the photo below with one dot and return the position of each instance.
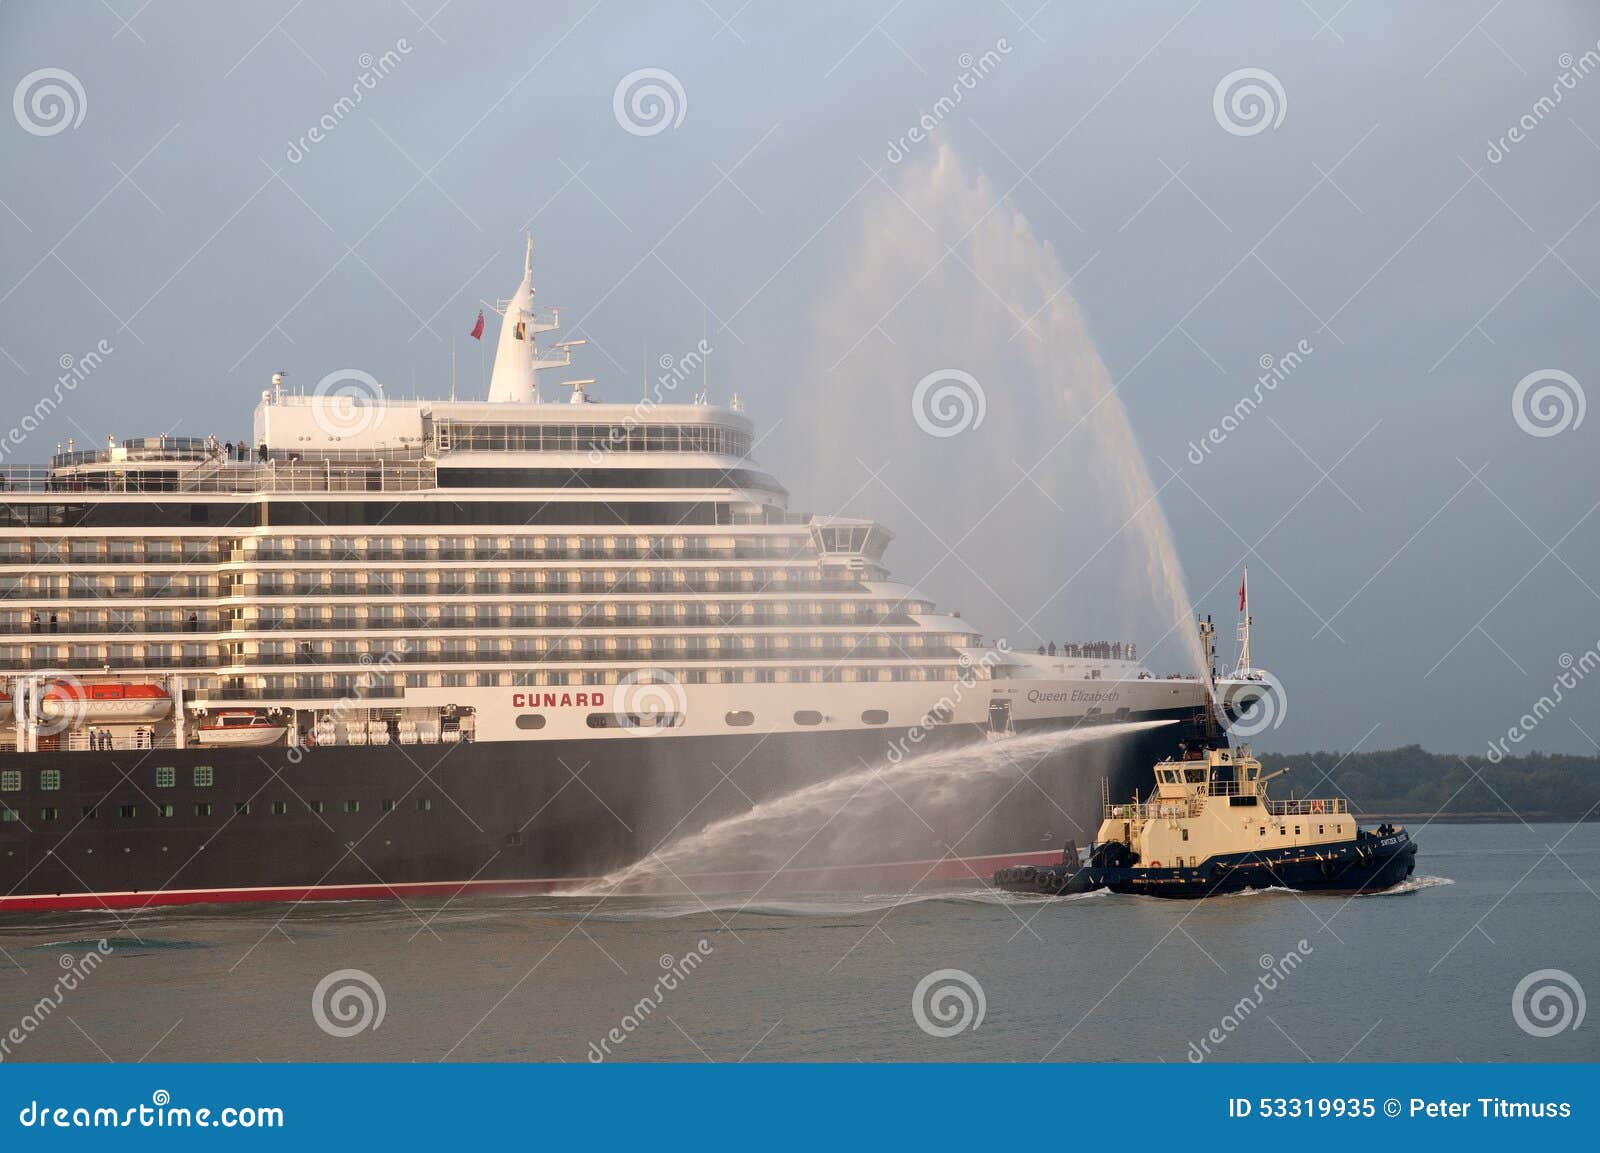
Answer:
(1244, 664)
(517, 356)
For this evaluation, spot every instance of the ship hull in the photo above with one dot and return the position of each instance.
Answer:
(354, 822)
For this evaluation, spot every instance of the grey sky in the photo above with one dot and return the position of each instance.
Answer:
(1412, 588)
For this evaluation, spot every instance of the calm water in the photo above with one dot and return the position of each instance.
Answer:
(1426, 974)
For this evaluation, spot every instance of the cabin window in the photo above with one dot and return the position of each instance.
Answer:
(352, 806)
(600, 720)
(1297, 830)
(11, 780)
(1282, 830)
(203, 776)
(166, 777)
(424, 804)
(1262, 831)
(202, 808)
(8, 815)
(164, 810)
(388, 806)
(50, 779)
(279, 808)
(241, 808)
(875, 717)
(808, 717)
(1186, 834)
(314, 806)
(1319, 830)
(50, 813)
(740, 719)
(530, 721)
(90, 812)
(128, 812)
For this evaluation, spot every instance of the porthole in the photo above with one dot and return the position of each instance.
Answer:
(740, 719)
(808, 717)
(530, 721)
(875, 717)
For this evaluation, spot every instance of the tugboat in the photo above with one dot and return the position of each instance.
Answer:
(1209, 828)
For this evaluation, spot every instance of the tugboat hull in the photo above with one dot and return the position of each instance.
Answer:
(1370, 863)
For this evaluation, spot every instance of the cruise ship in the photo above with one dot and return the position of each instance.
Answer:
(397, 647)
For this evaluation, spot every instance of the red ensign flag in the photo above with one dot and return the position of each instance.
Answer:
(477, 329)
(1241, 595)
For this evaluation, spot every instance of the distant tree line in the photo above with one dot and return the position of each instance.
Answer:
(1411, 781)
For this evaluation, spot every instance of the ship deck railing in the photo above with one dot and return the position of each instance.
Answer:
(272, 476)
(1316, 806)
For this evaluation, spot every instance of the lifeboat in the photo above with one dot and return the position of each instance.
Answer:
(240, 728)
(104, 701)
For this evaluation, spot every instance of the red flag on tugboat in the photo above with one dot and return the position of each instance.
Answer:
(1241, 594)
(477, 329)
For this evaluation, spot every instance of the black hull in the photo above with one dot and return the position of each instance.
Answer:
(1370, 864)
(375, 817)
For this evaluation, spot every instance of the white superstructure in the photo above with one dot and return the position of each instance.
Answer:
(373, 570)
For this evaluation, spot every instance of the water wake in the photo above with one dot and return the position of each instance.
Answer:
(842, 820)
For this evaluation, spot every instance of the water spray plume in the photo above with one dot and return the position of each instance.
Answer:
(845, 820)
(949, 353)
